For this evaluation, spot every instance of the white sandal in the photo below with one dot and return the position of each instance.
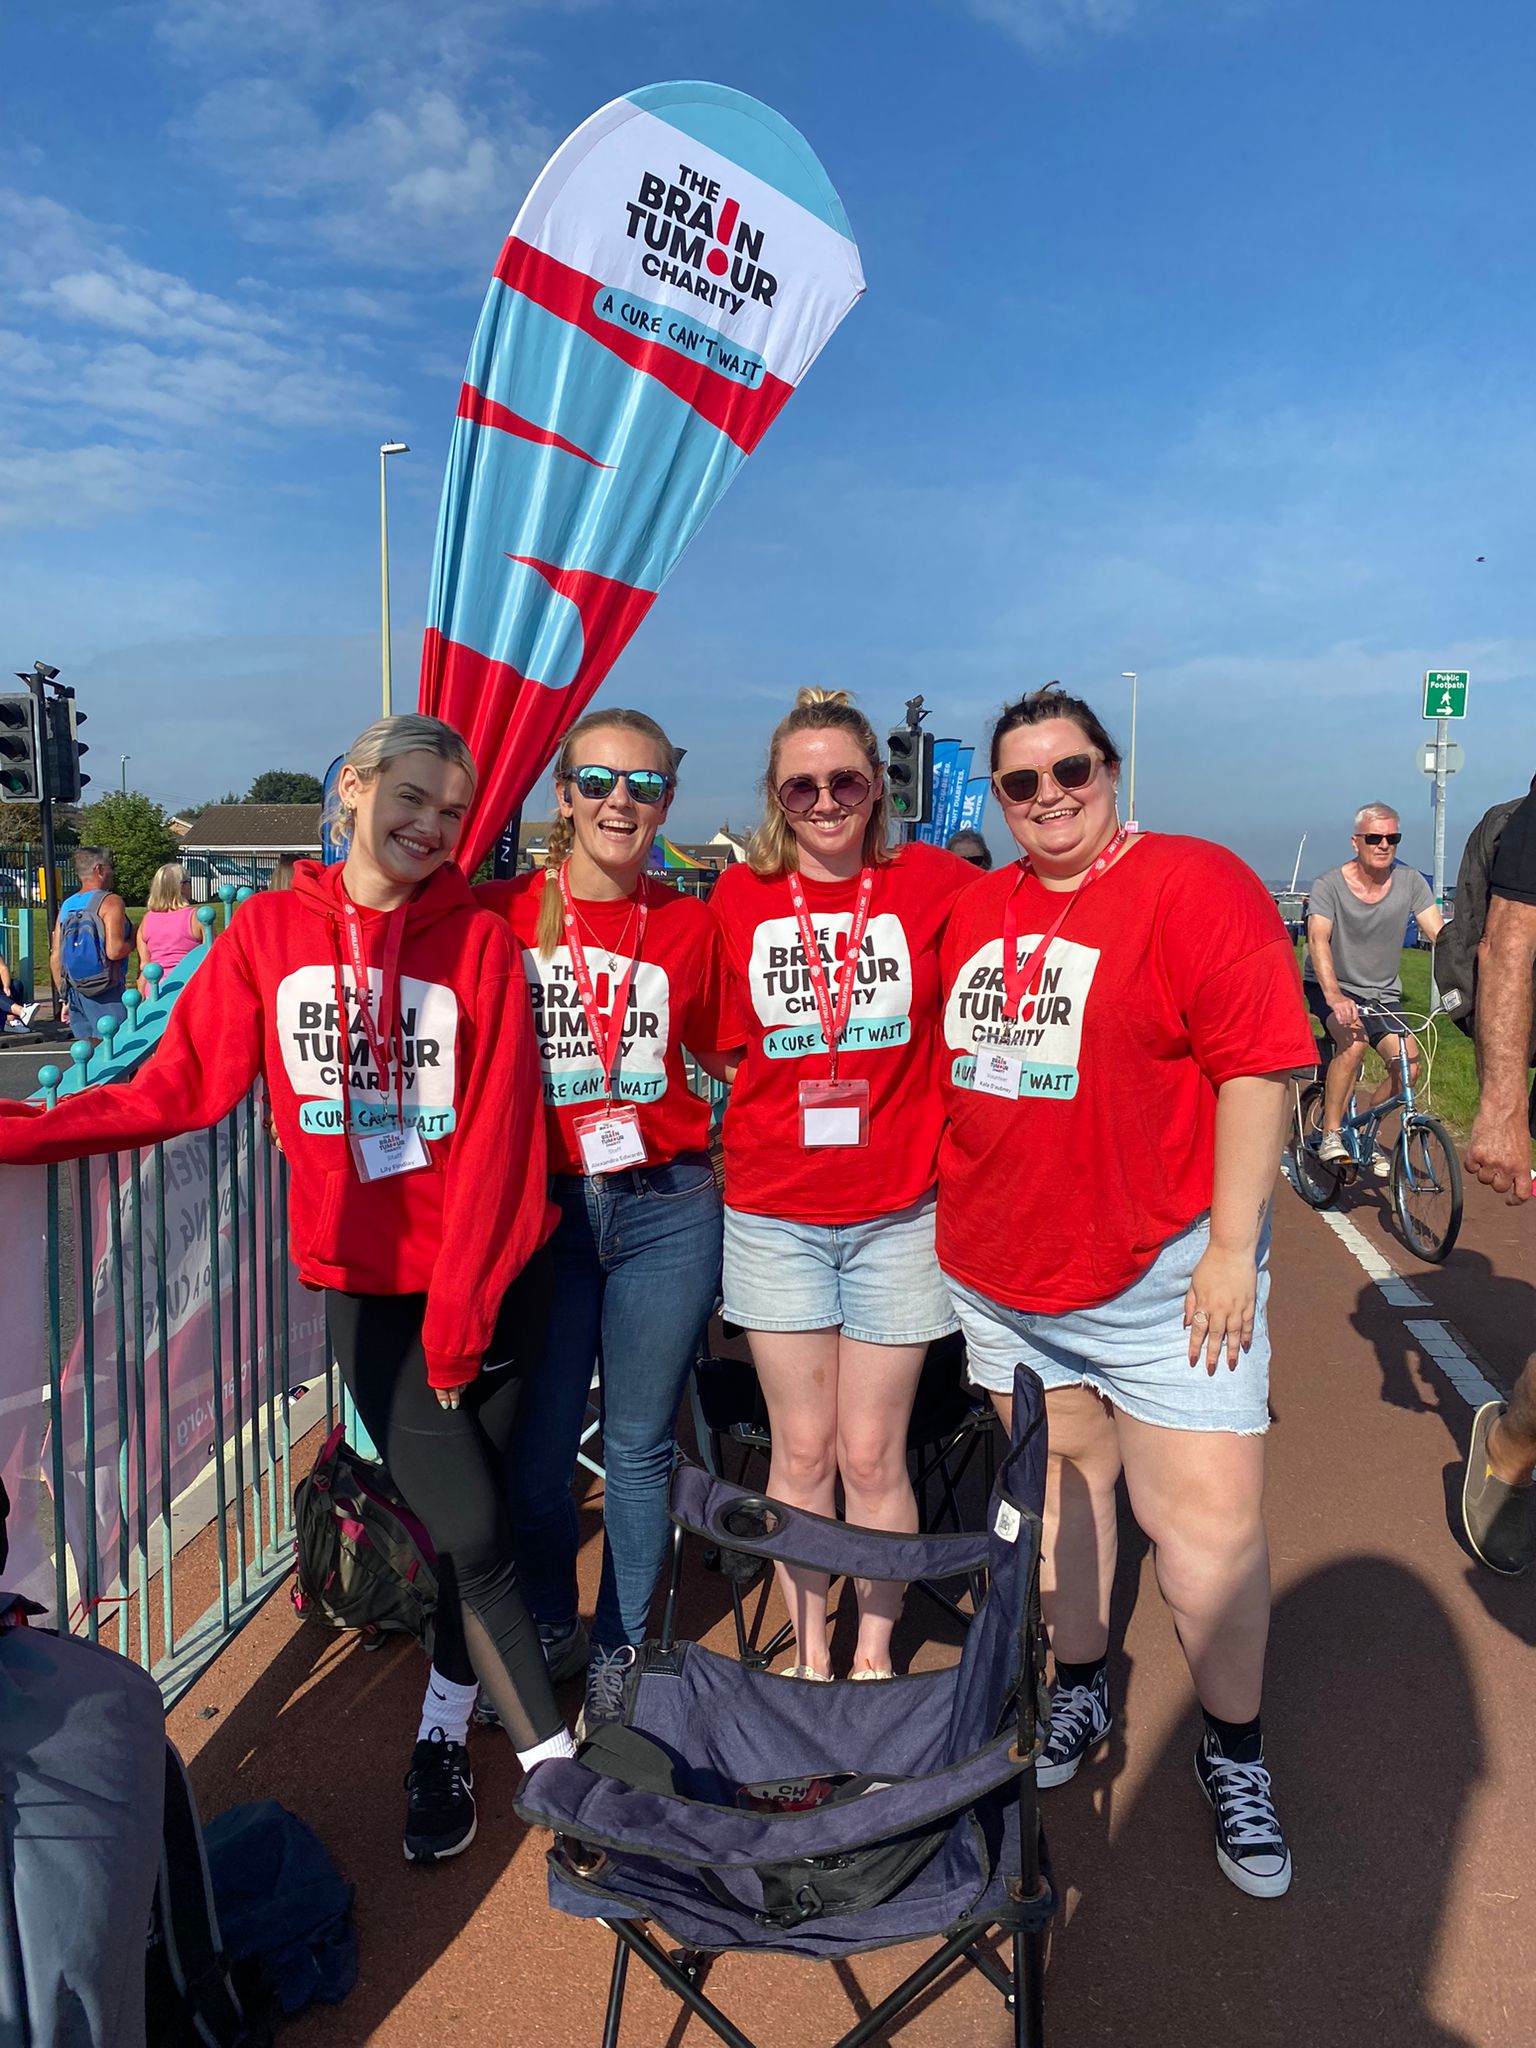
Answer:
(805, 1671)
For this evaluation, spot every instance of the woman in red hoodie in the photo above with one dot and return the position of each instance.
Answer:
(389, 1018)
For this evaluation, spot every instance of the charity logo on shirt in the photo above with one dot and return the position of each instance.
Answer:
(1046, 1039)
(567, 1056)
(785, 1000)
(314, 1047)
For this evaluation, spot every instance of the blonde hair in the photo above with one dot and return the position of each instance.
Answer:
(281, 876)
(168, 890)
(562, 833)
(772, 850)
(408, 732)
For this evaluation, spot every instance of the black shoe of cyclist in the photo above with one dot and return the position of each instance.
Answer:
(440, 1800)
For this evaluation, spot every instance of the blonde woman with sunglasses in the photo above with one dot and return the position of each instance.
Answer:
(831, 1139)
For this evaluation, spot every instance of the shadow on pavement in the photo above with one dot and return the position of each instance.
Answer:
(1374, 1767)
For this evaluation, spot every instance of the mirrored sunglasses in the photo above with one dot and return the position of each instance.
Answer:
(645, 785)
(1022, 785)
(848, 790)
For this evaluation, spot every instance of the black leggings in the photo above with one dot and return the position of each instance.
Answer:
(451, 1465)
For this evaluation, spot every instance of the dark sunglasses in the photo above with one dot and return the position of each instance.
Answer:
(848, 790)
(1022, 785)
(645, 785)
(1380, 838)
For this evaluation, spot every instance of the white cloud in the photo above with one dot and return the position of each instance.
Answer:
(1057, 28)
(82, 486)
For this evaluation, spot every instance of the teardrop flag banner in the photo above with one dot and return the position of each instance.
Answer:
(679, 265)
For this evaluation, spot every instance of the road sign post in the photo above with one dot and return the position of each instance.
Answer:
(1445, 698)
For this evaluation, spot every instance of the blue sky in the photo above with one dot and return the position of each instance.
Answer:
(1198, 340)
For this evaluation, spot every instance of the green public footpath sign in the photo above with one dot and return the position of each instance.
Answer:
(1445, 693)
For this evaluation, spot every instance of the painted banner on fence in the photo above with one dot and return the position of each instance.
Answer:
(24, 1377)
(680, 263)
(178, 1376)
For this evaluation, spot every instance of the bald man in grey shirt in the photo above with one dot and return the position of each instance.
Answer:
(1357, 915)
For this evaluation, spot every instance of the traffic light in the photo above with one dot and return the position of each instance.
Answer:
(65, 779)
(19, 781)
(909, 773)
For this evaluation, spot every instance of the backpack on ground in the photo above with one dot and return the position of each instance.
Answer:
(1456, 944)
(363, 1559)
(83, 948)
(190, 2000)
(284, 1913)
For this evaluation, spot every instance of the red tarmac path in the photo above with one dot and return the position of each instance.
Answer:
(1401, 1724)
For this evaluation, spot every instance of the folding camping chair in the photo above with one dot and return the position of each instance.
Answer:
(950, 1425)
(741, 1811)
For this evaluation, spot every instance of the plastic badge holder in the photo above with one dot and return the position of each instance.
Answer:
(610, 1139)
(834, 1113)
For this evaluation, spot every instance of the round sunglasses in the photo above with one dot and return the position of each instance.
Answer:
(847, 790)
(1022, 785)
(645, 785)
(1380, 838)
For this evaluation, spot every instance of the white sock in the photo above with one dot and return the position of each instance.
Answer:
(558, 1744)
(446, 1706)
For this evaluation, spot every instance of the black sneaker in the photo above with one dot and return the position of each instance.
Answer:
(440, 1800)
(1500, 1519)
(607, 1677)
(1080, 1719)
(1250, 1847)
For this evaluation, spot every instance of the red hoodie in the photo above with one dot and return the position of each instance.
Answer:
(264, 1001)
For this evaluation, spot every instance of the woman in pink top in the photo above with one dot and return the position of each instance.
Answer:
(170, 930)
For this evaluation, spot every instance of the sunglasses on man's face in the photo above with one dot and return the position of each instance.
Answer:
(1380, 838)
(847, 790)
(1022, 785)
(645, 785)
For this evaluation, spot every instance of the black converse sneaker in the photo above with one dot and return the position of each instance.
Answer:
(1080, 1720)
(440, 1800)
(1249, 1844)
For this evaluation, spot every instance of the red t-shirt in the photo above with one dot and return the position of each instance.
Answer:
(674, 1001)
(1171, 974)
(889, 1039)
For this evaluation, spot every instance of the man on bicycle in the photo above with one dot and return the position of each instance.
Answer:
(1357, 919)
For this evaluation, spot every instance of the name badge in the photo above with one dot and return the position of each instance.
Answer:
(834, 1113)
(610, 1138)
(998, 1073)
(380, 1155)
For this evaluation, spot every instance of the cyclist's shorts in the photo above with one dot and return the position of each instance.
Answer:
(1376, 1027)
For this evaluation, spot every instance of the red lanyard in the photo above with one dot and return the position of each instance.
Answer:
(1019, 981)
(607, 1033)
(833, 1022)
(385, 1039)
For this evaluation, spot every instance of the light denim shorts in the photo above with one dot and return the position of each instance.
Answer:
(878, 1281)
(1133, 1349)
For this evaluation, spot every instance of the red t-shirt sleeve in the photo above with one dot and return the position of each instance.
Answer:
(1232, 971)
(736, 1016)
(710, 1021)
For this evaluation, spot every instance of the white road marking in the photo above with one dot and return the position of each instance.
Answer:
(1390, 1284)
(1444, 1347)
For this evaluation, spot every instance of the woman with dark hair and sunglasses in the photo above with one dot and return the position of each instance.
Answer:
(1122, 1016)
(831, 1139)
(624, 973)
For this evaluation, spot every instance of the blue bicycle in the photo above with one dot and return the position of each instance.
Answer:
(1425, 1173)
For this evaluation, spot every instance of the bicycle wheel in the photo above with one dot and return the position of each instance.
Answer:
(1426, 1188)
(1317, 1183)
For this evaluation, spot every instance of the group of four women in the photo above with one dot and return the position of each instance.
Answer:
(1044, 1106)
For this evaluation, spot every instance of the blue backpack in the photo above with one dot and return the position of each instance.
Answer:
(83, 948)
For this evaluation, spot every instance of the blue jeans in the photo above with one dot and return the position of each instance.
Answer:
(637, 1273)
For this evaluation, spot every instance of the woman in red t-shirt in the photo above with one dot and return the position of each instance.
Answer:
(1117, 1098)
(831, 939)
(637, 1249)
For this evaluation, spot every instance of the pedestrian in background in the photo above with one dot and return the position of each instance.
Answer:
(971, 848)
(91, 943)
(169, 929)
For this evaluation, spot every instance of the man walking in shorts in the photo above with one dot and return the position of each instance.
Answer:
(91, 944)
(1498, 1497)
(1356, 920)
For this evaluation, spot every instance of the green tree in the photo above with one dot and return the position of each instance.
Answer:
(285, 786)
(190, 813)
(22, 825)
(132, 828)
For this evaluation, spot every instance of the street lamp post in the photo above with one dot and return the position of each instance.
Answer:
(386, 449)
(123, 761)
(1129, 675)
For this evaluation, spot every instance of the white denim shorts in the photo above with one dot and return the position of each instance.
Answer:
(878, 1281)
(1132, 1349)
